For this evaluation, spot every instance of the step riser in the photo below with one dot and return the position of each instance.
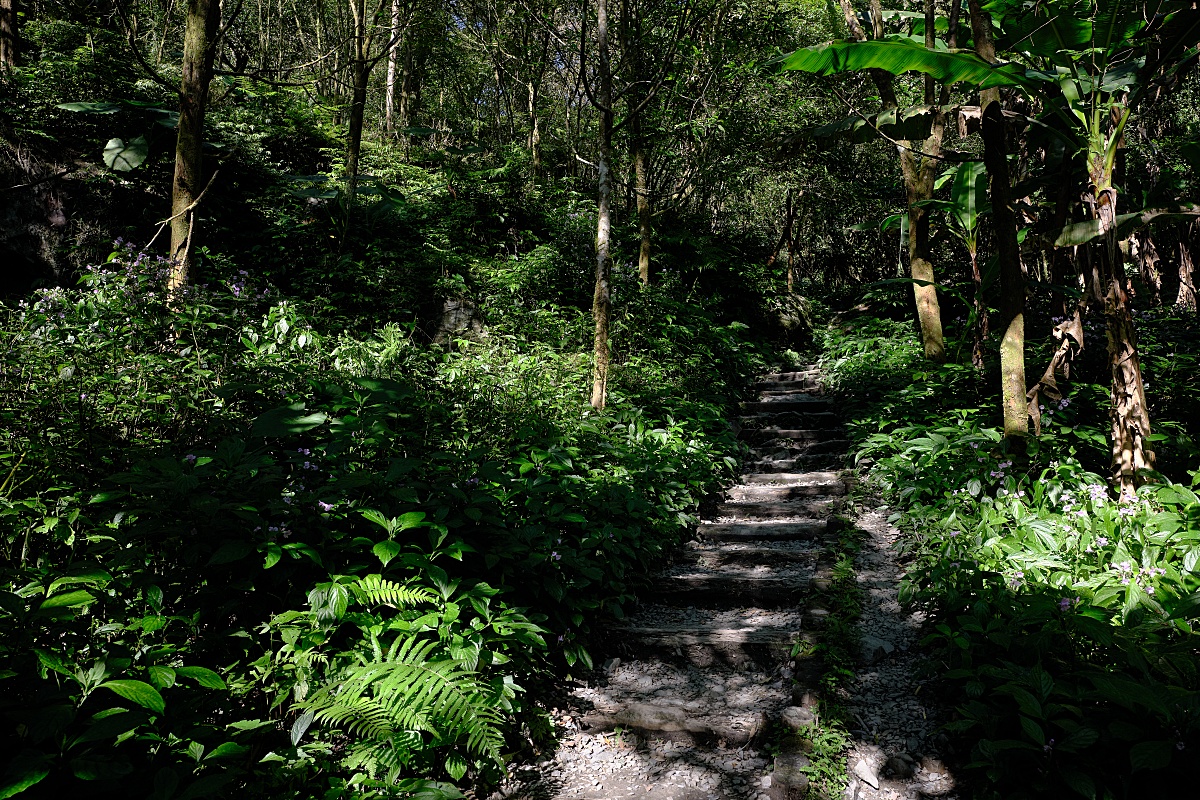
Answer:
(792, 436)
(763, 493)
(767, 531)
(755, 510)
(796, 449)
(790, 478)
(819, 462)
(818, 406)
(720, 594)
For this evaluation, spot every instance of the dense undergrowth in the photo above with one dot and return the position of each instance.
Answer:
(1063, 618)
(247, 552)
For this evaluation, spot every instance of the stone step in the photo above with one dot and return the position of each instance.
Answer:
(797, 374)
(796, 463)
(706, 589)
(804, 508)
(760, 493)
(792, 435)
(793, 448)
(800, 530)
(780, 404)
(808, 478)
(790, 420)
(754, 549)
(805, 386)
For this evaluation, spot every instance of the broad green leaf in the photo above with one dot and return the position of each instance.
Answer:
(286, 421)
(898, 55)
(138, 692)
(201, 675)
(27, 768)
(1151, 755)
(77, 597)
(99, 767)
(122, 156)
(91, 108)
(386, 550)
(162, 677)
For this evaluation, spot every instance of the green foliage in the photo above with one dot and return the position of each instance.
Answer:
(1066, 619)
(223, 524)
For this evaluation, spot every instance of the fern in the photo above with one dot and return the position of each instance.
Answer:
(379, 591)
(393, 696)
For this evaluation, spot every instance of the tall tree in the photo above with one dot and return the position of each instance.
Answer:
(8, 33)
(602, 99)
(199, 50)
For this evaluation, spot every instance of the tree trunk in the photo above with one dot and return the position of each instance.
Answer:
(360, 69)
(535, 133)
(9, 34)
(602, 295)
(1187, 286)
(980, 328)
(199, 49)
(1004, 219)
(642, 188)
(389, 97)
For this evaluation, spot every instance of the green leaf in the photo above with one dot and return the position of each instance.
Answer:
(163, 677)
(898, 55)
(227, 750)
(286, 421)
(138, 692)
(27, 768)
(99, 767)
(1151, 755)
(231, 550)
(201, 675)
(91, 108)
(301, 725)
(67, 600)
(121, 156)
(386, 550)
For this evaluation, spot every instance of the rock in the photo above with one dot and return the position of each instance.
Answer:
(788, 781)
(610, 665)
(899, 767)
(913, 744)
(797, 718)
(875, 649)
(867, 773)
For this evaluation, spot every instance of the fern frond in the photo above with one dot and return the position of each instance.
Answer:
(408, 691)
(376, 590)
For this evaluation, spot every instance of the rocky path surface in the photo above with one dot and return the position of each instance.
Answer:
(710, 670)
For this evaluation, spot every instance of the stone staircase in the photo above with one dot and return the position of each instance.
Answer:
(708, 664)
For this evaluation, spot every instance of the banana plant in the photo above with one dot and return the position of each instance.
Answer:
(1089, 67)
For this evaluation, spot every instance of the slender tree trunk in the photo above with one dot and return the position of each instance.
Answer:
(602, 296)
(535, 133)
(1004, 218)
(199, 49)
(1187, 286)
(360, 74)
(642, 189)
(9, 34)
(389, 97)
(980, 329)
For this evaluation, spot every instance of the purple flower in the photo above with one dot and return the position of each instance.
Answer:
(1064, 604)
(555, 556)
(190, 458)
(324, 506)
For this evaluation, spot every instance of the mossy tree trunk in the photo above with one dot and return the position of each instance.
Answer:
(1004, 219)
(199, 50)
(601, 297)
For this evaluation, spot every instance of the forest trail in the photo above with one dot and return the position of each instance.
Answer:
(708, 689)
